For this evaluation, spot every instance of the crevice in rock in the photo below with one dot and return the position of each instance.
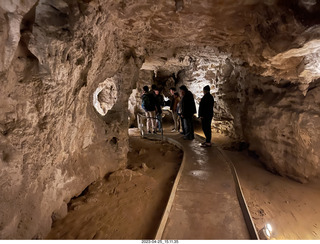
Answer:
(306, 11)
(313, 85)
(179, 5)
(114, 141)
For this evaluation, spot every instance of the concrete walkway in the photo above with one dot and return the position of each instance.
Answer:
(203, 203)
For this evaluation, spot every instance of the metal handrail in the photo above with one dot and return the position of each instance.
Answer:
(140, 124)
(242, 201)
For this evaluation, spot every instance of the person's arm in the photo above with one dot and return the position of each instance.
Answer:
(172, 102)
(182, 107)
(143, 103)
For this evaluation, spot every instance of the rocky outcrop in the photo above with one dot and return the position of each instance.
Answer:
(261, 63)
(53, 143)
(277, 119)
(282, 126)
(259, 57)
(134, 105)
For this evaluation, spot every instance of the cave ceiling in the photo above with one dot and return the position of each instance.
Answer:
(275, 38)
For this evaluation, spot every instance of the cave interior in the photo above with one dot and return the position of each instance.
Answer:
(72, 72)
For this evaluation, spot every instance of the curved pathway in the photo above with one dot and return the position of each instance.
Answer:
(203, 203)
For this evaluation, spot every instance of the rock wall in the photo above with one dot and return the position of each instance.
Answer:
(282, 126)
(53, 143)
(276, 118)
(145, 78)
(225, 77)
(261, 59)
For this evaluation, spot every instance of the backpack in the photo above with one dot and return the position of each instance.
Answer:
(147, 103)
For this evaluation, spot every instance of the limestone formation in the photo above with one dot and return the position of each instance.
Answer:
(53, 142)
(71, 73)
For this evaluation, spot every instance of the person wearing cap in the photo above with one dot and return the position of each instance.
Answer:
(206, 115)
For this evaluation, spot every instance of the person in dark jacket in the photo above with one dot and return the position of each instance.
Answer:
(148, 104)
(159, 103)
(175, 112)
(188, 109)
(206, 114)
(153, 88)
(172, 102)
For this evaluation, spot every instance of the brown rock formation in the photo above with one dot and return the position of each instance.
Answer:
(261, 59)
(53, 142)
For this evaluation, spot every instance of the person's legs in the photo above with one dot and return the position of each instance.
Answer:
(177, 122)
(148, 115)
(188, 127)
(182, 125)
(209, 131)
(159, 122)
(174, 117)
(206, 127)
(203, 126)
(153, 120)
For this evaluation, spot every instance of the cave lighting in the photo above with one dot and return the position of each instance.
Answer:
(266, 232)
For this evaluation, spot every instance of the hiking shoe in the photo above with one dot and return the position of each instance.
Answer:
(173, 130)
(206, 145)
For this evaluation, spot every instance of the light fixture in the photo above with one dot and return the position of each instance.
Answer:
(266, 232)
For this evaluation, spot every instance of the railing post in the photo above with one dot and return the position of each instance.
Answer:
(141, 125)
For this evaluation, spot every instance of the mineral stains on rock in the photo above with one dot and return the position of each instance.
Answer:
(128, 203)
(261, 59)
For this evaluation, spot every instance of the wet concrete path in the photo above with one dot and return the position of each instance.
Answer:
(203, 204)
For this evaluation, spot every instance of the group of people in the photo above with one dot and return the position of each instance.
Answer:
(182, 107)
(152, 102)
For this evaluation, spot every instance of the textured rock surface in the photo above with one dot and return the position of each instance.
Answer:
(282, 125)
(254, 55)
(53, 143)
(261, 59)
